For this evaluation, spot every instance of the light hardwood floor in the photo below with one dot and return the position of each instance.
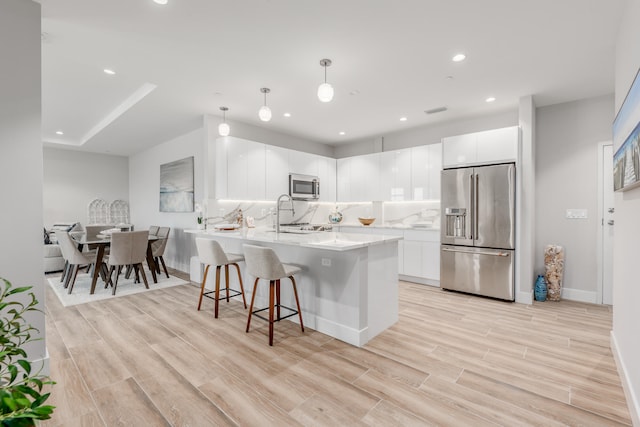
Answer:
(152, 359)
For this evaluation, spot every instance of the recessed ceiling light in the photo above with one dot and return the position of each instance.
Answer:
(109, 71)
(59, 132)
(403, 119)
(287, 114)
(490, 99)
(341, 132)
(161, 1)
(459, 57)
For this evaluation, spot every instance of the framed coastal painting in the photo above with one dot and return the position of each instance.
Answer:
(626, 136)
(176, 186)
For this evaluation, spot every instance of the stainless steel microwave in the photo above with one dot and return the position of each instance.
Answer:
(304, 187)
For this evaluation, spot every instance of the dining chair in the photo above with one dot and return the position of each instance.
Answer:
(158, 247)
(73, 258)
(263, 263)
(128, 248)
(153, 230)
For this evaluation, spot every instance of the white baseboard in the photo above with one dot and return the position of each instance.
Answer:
(43, 363)
(579, 295)
(524, 297)
(420, 280)
(629, 393)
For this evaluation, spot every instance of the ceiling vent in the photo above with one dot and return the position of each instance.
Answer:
(436, 110)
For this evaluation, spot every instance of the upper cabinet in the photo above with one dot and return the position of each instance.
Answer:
(492, 146)
(395, 175)
(426, 164)
(277, 171)
(249, 170)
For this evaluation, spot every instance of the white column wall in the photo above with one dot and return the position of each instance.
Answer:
(626, 287)
(21, 156)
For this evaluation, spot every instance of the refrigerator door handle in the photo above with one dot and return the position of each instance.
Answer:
(475, 207)
(500, 254)
(471, 221)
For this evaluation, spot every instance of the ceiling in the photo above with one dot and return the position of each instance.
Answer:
(391, 59)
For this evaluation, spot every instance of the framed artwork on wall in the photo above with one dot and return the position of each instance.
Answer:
(176, 186)
(626, 136)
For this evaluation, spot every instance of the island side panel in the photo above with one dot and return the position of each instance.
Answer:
(382, 287)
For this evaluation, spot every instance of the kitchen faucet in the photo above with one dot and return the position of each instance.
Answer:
(278, 210)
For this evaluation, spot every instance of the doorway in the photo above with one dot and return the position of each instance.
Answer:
(606, 212)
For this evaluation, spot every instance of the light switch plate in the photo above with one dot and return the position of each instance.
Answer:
(576, 214)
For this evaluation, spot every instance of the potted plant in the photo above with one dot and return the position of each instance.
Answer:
(21, 397)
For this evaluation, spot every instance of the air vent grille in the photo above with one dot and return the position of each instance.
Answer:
(436, 110)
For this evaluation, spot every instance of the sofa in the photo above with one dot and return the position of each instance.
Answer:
(53, 260)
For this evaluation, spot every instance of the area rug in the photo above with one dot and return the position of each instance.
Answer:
(80, 294)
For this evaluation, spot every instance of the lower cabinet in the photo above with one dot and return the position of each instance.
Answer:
(418, 252)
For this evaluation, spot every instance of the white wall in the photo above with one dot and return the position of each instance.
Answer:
(626, 286)
(567, 137)
(255, 133)
(144, 193)
(21, 155)
(427, 134)
(73, 178)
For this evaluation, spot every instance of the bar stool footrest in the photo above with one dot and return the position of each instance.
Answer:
(294, 312)
(235, 294)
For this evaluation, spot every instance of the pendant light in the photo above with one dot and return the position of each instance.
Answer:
(325, 90)
(265, 112)
(223, 128)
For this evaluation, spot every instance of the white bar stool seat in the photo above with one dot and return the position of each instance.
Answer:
(263, 263)
(211, 253)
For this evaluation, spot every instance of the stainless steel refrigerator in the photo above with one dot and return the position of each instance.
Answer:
(478, 230)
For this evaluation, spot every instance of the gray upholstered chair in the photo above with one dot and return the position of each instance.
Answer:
(128, 248)
(211, 253)
(73, 257)
(263, 263)
(153, 230)
(158, 247)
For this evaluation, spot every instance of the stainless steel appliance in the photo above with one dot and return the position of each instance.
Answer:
(478, 231)
(304, 187)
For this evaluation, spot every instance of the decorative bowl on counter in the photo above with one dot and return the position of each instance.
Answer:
(366, 221)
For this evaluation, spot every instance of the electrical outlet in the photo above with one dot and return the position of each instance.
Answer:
(326, 262)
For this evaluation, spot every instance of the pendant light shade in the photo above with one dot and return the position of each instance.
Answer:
(223, 128)
(325, 90)
(265, 112)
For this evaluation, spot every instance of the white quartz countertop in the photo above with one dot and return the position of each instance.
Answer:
(388, 226)
(326, 240)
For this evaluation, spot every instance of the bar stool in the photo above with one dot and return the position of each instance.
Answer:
(211, 253)
(263, 263)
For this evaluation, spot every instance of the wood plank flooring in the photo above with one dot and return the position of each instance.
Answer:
(152, 359)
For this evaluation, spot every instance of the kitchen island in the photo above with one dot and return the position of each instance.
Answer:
(348, 286)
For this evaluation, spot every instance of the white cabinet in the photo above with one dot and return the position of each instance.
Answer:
(498, 145)
(343, 179)
(421, 255)
(277, 172)
(358, 178)
(327, 176)
(302, 163)
(395, 175)
(245, 169)
(426, 165)
(221, 167)
(492, 146)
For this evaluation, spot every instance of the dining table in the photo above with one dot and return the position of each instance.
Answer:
(102, 241)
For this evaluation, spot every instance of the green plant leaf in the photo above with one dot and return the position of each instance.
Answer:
(10, 403)
(17, 290)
